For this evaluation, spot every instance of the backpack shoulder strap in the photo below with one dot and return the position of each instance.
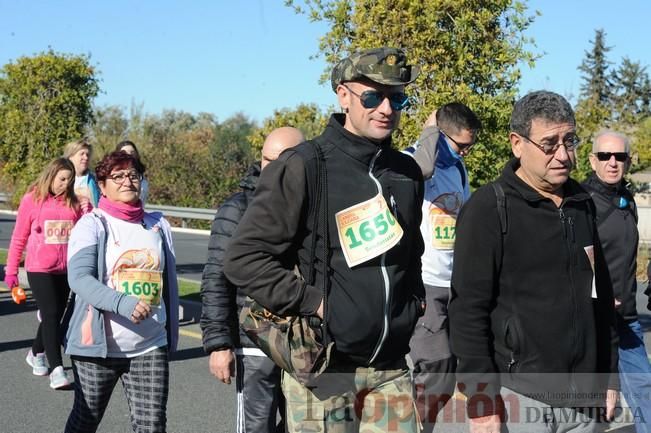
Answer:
(501, 206)
(317, 182)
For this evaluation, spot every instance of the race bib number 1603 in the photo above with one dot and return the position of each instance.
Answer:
(367, 230)
(145, 284)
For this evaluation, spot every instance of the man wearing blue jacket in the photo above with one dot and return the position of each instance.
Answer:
(449, 134)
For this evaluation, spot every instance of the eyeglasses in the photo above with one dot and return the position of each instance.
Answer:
(121, 177)
(373, 98)
(605, 156)
(571, 142)
(463, 147)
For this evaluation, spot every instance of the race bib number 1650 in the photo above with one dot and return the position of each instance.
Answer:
(367, 230)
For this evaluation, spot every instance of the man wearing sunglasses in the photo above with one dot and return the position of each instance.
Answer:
(531, 309)
(617, 225)
(448, 135)
(373, 288)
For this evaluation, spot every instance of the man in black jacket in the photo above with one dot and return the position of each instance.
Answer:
(374, 288)
(258, 378)
(617, 226)
(531, 312)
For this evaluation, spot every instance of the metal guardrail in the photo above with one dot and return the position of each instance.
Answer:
(185, 213)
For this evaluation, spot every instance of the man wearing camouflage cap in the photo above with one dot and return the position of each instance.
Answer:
(374, 292)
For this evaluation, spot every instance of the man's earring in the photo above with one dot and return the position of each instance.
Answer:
(346, 110)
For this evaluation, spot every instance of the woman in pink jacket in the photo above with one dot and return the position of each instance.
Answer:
(46, 215)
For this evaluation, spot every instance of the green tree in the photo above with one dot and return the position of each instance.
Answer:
(617, 99)
(110, 127)
(630, 95)
(306, 117)
(191, 160)
(45, 101)
(467, 53)
(594, 67)
(594, 109)
(642, 145)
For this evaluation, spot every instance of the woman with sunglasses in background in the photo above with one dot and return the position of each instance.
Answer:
(46, 215)
(122, 269)
(130, 148)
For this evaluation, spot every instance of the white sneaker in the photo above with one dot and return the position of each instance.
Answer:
(37, 362)
(59, 379)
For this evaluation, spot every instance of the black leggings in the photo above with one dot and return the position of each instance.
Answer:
(51, 294)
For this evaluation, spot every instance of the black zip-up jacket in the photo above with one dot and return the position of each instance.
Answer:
(221, 302)
(523, 305)
(619, 238)
(372, 308)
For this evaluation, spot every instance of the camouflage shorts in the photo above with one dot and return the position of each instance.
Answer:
(378, 401)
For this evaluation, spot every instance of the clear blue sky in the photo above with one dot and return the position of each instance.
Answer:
(252, 56)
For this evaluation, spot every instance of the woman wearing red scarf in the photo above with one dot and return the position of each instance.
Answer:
(125, 319)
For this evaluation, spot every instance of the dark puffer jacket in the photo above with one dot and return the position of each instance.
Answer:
(221, 301)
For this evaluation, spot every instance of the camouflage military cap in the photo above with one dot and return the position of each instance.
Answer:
(382, 65)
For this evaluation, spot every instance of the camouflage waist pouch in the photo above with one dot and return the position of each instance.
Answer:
(294, 343)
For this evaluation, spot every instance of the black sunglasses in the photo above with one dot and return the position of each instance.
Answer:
(463, 147)
(605, 156)
(373, 98)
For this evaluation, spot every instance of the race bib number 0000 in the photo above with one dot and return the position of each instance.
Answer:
(367, 230)
(57, 231)
(145, 284)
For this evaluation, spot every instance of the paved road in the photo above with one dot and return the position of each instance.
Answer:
(197, 401)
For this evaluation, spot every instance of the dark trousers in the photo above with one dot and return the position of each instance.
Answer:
(51, 293)
(259, 395)
(434, 364)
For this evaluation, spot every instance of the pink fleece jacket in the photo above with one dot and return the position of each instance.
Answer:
(44, 229)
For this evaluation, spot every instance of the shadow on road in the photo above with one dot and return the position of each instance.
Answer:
(182, 355)
(7, 305)
(15, 345)
(190, 268)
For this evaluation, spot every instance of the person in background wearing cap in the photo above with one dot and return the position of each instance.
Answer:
(259, 396)
(375, 292)
(617, 226)
(448, 135)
